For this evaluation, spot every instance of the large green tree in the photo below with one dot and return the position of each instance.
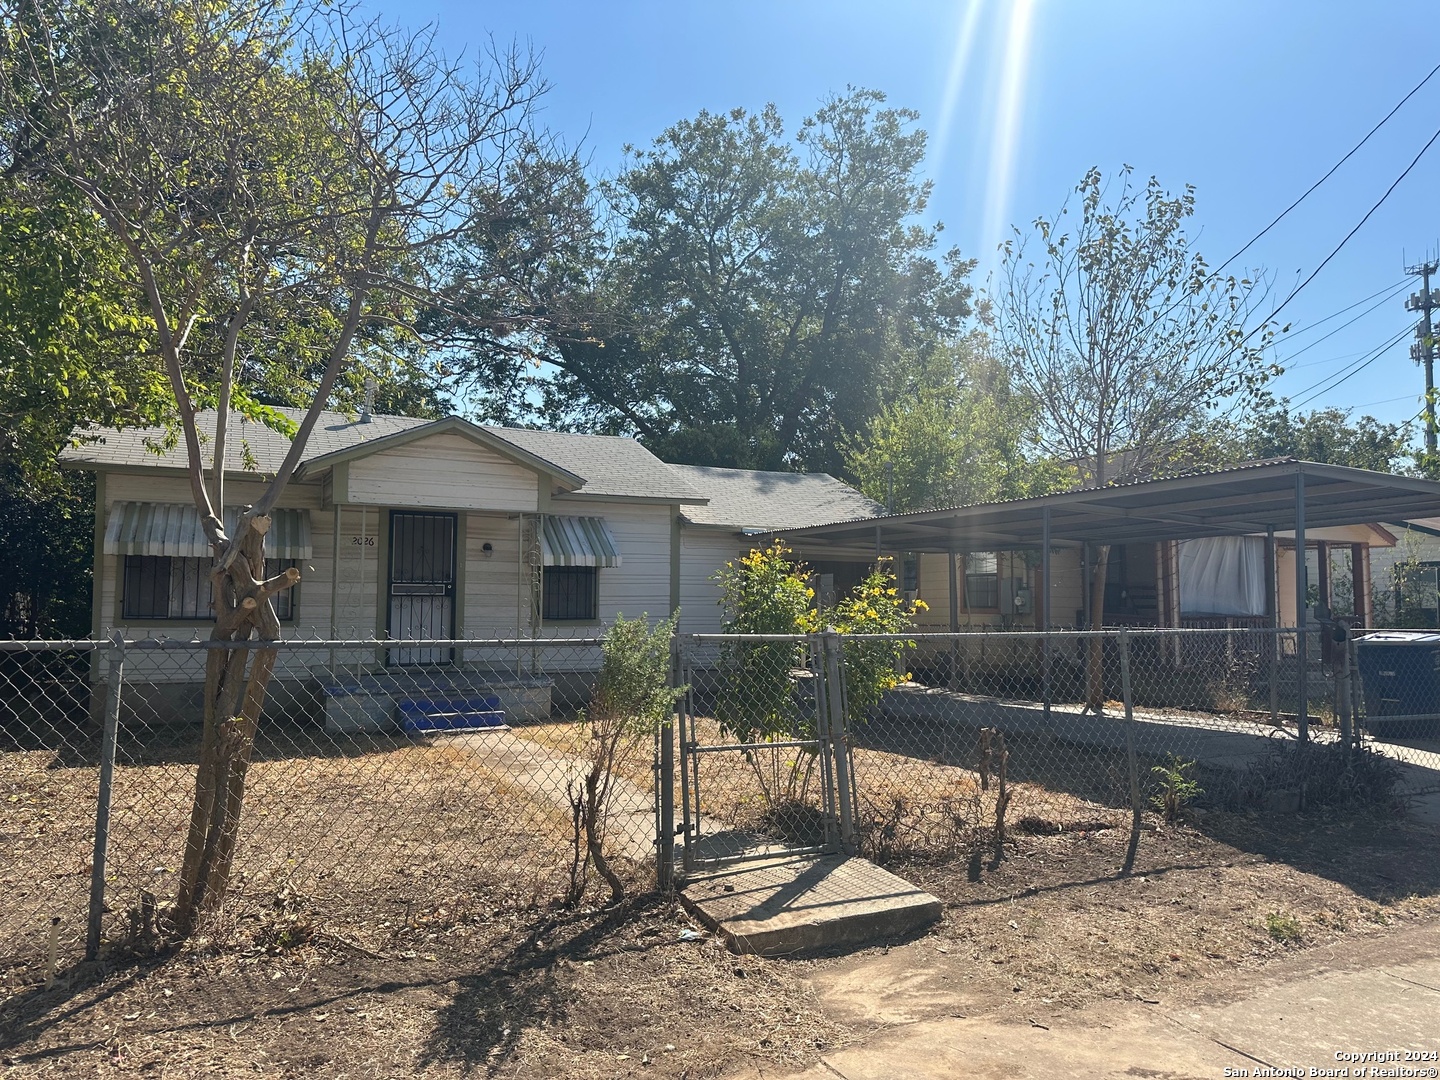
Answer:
(1326, 435)
(955, 431)
(732, 297)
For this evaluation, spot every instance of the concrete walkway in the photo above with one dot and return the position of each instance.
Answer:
(1217, 742)
(1363, 995)
(550, 776)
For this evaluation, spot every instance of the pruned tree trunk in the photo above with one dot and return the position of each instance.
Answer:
(236, 682)
(1095, 653)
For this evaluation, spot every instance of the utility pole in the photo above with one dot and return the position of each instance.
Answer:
(1423, 351)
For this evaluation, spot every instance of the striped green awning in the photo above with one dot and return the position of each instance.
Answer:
(578, 541)
(141, 528)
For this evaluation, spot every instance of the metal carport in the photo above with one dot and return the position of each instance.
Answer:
(1283, 494)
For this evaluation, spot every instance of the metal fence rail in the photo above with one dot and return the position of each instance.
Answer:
(377, 796)
(382, 794)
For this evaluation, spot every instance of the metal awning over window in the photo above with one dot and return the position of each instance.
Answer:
(578, 541)
(173, 529)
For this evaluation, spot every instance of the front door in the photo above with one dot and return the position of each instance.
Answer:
(422, 584)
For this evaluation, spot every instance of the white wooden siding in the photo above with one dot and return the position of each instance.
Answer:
(641, 584)
(492, 584)
(443, 471)
(702, 554)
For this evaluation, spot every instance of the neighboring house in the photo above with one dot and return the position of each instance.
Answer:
(742, 508)
(1407, 576)
(1211, 582)
(416, 529)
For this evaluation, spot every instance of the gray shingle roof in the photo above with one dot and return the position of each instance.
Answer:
(745, 499)
(609, 465)
(334, 431)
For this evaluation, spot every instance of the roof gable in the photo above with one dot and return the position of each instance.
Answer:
(585, 465)
(455, 425)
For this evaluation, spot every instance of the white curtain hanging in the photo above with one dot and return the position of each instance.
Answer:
(1223, 575)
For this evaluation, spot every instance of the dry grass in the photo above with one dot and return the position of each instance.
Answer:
(395, 915)
(384, 827)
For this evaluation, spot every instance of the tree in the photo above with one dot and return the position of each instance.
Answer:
(1131, 346)
(278, 179)
(731, 297)
(1325, 435)
(955, 432)
(68, 356)
(71, 341)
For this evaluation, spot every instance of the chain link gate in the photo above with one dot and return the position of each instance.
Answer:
(764, 759)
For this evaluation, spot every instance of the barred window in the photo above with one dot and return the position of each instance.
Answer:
(571, 594)
(162, 587)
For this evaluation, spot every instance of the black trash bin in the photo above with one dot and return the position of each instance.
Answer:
(1400, 675)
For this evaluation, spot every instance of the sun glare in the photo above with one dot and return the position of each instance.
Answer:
(955, 81)
(1005, 125)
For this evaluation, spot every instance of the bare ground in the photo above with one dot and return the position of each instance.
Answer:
(438, 952)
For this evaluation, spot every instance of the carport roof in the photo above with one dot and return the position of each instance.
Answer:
(1237, 501)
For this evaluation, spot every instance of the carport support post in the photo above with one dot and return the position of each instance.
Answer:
(1272, 619)
(116, 658)
(954, 618)
(1045, 592)
(1302, 709)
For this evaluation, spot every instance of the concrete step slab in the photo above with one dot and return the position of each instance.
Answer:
(794, 906)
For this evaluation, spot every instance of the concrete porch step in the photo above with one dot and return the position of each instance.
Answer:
(786, 907)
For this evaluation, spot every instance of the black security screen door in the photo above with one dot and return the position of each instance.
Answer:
(422, 583)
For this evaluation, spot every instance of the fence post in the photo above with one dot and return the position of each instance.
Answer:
(665, 780)
(1343, 698)
(109, 737)
(690, 829)
(1137, 805)
(839, 738)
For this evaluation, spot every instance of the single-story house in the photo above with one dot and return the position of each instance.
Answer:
(413, 529)
(1407, 577)
(1204, 550)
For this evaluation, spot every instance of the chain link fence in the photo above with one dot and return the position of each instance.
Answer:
(391, 784)
(402, 784)
(1076, 731)
(758, 761)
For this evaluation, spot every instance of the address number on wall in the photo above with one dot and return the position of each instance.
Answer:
(362, 541)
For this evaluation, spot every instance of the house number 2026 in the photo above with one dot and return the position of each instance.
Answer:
(362, 541)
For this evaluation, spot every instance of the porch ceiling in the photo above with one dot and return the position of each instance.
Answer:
(1232, 502)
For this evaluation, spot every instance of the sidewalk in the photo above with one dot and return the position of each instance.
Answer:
(1364, 995)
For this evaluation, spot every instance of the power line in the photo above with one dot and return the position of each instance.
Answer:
(1360, 365)
(1389, 295)
(1331, 172)
(1358, 226)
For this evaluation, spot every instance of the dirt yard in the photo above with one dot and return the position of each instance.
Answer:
(524, 990)
(405, 929)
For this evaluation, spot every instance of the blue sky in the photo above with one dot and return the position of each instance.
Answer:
(1249, 101)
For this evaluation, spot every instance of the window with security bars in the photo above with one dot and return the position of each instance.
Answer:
(571, 594)
(162, 587)
(982, 580)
